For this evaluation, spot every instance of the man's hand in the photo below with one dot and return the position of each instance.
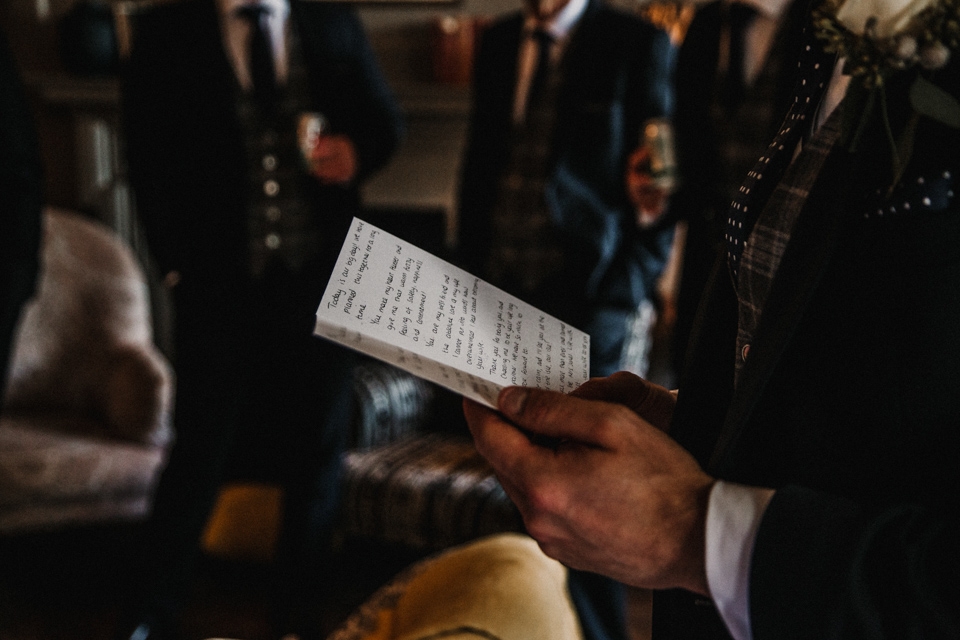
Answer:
(617, 496)
(649, 198)
(650, 401)
(334, 159)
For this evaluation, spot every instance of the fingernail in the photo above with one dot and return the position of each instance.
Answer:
(512, 401)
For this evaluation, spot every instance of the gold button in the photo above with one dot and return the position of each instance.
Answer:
(271, 188)
(269, 162)
(272, 241)
(273, 213)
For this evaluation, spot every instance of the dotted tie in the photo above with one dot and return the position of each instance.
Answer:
(815, 65)
(262, 71)
(544, 41)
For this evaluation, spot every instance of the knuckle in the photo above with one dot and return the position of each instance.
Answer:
(610, 423)
(624, 377)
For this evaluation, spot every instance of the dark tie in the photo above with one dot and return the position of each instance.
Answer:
(260, 57)
(544, 41)
(815, 66)
(739, 17)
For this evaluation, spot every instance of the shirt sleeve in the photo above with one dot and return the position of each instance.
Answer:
(734, 512)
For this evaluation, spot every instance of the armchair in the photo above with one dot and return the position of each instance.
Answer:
(85, 426)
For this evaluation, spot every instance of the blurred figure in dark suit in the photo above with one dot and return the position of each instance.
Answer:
(561, 92)
(246, 229)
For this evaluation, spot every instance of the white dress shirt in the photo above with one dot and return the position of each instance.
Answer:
(236, 36)
(560, 27)
(758, 38)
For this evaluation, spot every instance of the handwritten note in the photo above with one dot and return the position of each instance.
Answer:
(394, 301)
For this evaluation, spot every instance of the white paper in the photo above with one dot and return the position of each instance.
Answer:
(398, 303)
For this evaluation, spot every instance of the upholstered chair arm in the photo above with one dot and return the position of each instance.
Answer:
(137, 395)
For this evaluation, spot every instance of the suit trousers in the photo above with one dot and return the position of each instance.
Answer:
(259, 397)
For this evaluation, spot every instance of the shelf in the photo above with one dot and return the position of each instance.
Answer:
(430, 99)
(421, 177)
(65, 90)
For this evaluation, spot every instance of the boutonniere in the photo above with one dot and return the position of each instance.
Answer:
(882, 38)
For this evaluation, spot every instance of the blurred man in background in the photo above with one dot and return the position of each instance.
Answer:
(245, 226)
(561, 92)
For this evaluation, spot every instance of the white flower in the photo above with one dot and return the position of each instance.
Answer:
(906, 47)
(891, 16)
(934, 56)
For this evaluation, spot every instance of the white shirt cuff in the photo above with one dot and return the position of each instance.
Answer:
(733, 517)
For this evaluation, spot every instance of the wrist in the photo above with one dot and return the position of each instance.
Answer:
(680, 557)
(693, 564)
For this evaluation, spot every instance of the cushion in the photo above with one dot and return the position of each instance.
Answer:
(501, 587)
(84, 343)
(49, 478)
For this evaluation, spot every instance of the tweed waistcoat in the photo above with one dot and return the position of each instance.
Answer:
(771, 233)
(525, 251)
(281, 226)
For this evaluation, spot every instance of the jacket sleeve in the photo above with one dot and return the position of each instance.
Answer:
(883, 561)
(379, 125)
(823, 567)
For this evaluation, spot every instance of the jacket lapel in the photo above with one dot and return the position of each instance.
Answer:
(812, 244)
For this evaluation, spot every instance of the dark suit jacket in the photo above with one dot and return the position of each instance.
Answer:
(21, 199)
(185, 144)
(847, 405)
(616, 73)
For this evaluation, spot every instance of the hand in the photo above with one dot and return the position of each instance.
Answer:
(650, 401)
(616, 496)
(334, 159)
(648, 198)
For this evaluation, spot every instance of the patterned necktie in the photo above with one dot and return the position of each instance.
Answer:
(739, 18)
(544, 41)
(260, 59)
(815, 66)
